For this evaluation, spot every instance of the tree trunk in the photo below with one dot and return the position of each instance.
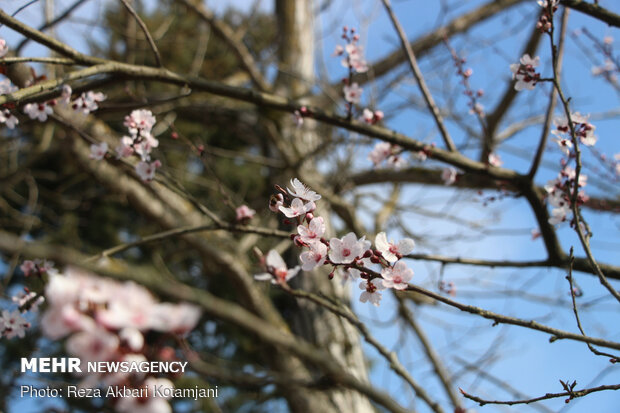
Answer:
(315, 324)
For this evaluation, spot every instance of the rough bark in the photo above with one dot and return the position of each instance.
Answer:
(315, 324)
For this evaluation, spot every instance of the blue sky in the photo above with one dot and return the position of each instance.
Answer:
(525, 359)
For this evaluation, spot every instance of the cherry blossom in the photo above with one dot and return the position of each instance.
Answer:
(302, 191)
(132, 337)
(385, 151)
(146, 170)
(448, 175)
(371, 291)
(65, 95)
(244, 213)
(12, 324)
(565, 145)
(4, 48)
(546, 3)
(7, 87)
(140, 122)
(8, 119)
(277, 271)
(38, 111)
(495, 160)
(88, 102)
(371, 117)
(175, 318)
(314, 257)
(37, 266)
(391, 251)
(30, 299)
(524, 72)
(397, 276)
(297, 208)
(125, 149)
(346, 249)
(380, 152)
(93, 345)
(584, 130)
(396, 162)
(420, 156)
(354, 60)
(352, 93)
(98, 152)
(354, 273)
(313, 232)
(275, 202)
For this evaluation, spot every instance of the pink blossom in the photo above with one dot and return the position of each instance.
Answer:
(524, 72)
(420, 156)
(244, 213)
(391, 251)
(346, 249)
(7, 87)
(146, 170)
(277, 271)
(28, 268)
(175, 318)
(313, 232)
(448, 175)
(8, 118)
(302, 191)
(275, 202)
(352, 93)
(314, 257)
(125, 149)
(495, 160)
(98, 152)
(132, 337)
(38, 111)
(396, 162)
(88, 102)
(371, 291)
(65, 95)
(93, 345)
(30, 299)
(140, 122)
(397, 276)
(4, 48)
(380, 152)
(12, 324)
(297, 208)
(565, 145)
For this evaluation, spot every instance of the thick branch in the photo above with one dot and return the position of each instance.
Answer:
(594, 10)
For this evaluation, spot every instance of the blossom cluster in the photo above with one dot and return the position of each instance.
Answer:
(525, 73)
(105, 320)
(140, 142)
(559, 190)
(350, 254)
(475, 107)
(559, 194)
(545, 22)
(385, 151)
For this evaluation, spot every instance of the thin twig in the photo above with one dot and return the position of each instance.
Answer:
(420, 78)
(146, 32)
(571, 394)
(390, 356)
(569, 277)
(438, 366)
(552, 99)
